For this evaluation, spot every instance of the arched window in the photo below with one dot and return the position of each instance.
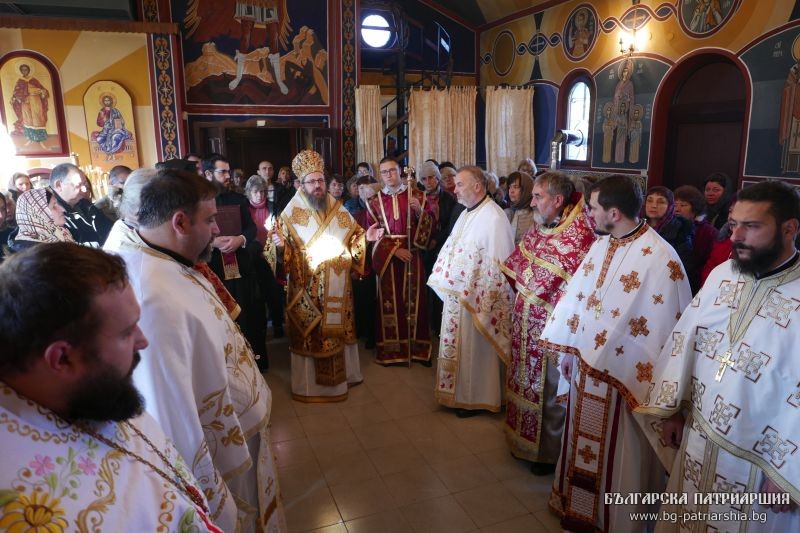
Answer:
(578, 119)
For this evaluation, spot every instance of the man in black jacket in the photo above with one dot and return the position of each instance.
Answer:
(87, 224)
(231, 259)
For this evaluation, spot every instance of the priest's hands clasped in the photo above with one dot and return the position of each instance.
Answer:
(228, 244)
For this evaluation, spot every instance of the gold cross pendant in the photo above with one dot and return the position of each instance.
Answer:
(725, 362)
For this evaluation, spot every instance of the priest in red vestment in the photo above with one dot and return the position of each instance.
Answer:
(392, 258)
(539, 269)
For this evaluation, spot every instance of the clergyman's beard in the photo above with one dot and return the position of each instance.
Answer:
(318, 203)
(106, 396)
(205, 255)
(539, 218)
(760, 259)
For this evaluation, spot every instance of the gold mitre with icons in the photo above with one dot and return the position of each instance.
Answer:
(306, 162)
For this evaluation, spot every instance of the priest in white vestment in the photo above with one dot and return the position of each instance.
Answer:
(609, 327)
(478, 301)
(199, 375)
(321, 243)
(78, 453)
(729, 381)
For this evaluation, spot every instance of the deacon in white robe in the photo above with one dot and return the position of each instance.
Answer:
(199, 376)
(55, 476)
(321, 244)
(478, 301)
(608, 328)
(730, 370)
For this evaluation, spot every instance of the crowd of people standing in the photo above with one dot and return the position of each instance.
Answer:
(537, 293)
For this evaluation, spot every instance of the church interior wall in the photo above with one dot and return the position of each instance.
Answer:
(82, 58)
(295, 63)
(546, 47)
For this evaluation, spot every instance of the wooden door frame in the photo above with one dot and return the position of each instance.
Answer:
(665, 97)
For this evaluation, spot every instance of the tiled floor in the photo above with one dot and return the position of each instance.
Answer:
(390, 459)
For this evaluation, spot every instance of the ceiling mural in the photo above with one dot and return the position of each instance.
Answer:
(583, 26)
(700, 18)
(580, 32)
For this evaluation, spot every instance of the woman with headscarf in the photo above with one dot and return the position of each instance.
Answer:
(40, 219)
(659, 211)
(718, 191)
(520, 214)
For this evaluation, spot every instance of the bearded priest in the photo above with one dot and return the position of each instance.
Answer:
(727, 379)
(321, 243)
(539, 270)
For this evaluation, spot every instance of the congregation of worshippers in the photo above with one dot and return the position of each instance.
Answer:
(638, 342)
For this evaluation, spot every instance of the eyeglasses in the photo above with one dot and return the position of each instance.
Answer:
(318, 181)
(389, 171)
(221, 171)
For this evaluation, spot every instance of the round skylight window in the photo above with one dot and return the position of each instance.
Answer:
(370, 32)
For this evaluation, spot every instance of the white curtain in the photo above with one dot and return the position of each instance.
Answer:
(509, 128)
(442, 126)
(369, 128)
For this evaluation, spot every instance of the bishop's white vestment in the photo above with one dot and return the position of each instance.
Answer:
(478, 302)
(200, 382)
(731, 366)
(56, 477)
(616, 314)
(320, 250)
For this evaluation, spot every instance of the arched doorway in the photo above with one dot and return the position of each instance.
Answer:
(701, 115)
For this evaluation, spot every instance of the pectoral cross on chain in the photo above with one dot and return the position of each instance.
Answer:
(725, 362)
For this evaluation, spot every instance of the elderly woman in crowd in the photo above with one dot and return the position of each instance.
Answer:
(494, 189)
(690, 204)
(271, 291)
(520, 212)
(256, 192)
(718, 191)
(528, 166)
(40, 218)
(659, 210)
(448, 173)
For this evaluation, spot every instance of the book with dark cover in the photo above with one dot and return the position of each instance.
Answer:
(229, 220)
